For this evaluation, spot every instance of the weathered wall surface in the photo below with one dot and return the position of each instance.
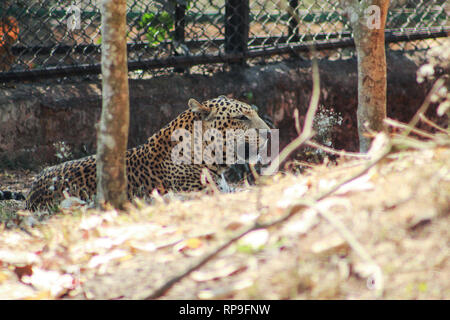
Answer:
(34, 116)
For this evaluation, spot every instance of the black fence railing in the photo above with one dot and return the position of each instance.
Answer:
(50, 38)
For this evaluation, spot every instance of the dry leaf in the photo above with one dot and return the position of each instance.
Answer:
(291, 194)
(362, 183)
(255, 239)
(224, 292)
(192, 244)
(3, 277)
(71, 202)
(303, 224)
(41, 295)
(232, 226)
(51, 281)
(143, 246)
(373, 274)
(21, 271)
(330, 245)
(127, 232)
(248, 217)
(13, 290)
(18, 257)
(221, 270)
(102, 259)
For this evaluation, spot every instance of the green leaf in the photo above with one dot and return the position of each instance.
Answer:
(157, 27)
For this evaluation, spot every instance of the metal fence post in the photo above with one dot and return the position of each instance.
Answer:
(180, 24)
(293, 23)
(237, 23)
(194, 34)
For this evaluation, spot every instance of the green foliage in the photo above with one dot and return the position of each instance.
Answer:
(158, 27)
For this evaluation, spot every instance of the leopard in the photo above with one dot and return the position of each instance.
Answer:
(152, 166)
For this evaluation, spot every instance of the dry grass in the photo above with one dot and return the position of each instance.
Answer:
(398, 211)
(375, 227)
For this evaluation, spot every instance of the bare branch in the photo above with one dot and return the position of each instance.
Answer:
(336, 152)
(296, 206)
(307, 132)
(423, 108)
(400, 125)
(207, 180)
(433, 125)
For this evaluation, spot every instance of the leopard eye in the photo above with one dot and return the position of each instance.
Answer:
(242, 118)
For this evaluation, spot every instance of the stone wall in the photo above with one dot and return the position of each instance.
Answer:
(34, 116)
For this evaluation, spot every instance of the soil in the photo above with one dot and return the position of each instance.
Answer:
(399, 212)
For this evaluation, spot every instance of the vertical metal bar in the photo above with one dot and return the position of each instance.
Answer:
(180, 24)
(293, 24)
(237, 23)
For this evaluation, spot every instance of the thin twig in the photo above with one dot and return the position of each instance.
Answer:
(170, 244)
(291, 211)
(307, 132)
(375, 272)
(423, 108)
(295, 206)
(407, 142)
(434, 125)
(346, 234)
(302, 163)
(336, 152)
(207, 180)
(297, 122)
(394, 123)
(377, 158)
(253, 171)
(169, 284)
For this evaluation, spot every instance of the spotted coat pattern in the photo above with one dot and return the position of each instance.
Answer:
(149, 166)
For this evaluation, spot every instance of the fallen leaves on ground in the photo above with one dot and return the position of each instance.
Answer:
(399, 211)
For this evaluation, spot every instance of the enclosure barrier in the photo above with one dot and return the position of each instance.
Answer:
(50, 38)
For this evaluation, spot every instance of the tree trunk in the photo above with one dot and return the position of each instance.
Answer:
(113, 129)
(368, 19)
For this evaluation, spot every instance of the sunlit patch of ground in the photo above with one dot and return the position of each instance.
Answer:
(398, 211)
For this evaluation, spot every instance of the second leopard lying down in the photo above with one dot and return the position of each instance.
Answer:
(150, 165)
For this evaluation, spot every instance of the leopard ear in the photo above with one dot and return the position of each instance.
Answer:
(196, 106)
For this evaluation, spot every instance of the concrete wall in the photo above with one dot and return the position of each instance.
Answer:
(33, 116)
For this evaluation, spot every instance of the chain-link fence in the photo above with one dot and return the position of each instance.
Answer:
(51, 38)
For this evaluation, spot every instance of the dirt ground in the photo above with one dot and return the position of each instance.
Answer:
(399, 213)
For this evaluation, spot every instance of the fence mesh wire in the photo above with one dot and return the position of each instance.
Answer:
(61, 38)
